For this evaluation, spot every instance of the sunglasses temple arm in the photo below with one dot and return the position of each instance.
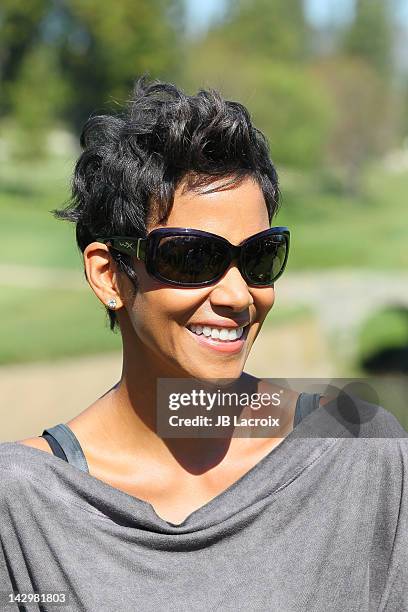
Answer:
(136, 247)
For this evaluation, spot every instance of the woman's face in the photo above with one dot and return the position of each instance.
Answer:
(159, 317)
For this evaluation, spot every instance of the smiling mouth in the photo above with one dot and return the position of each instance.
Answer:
(220, 334)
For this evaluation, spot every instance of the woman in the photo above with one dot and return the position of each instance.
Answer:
(131, 519)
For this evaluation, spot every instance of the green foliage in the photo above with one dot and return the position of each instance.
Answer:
(38, 97)
(364, 115)
(19, 24)
(286, 102)
(103, 51)
(273, 29)
(370, 35)
(83, 53)
(85, 58)
(294, 115)
(387, 328)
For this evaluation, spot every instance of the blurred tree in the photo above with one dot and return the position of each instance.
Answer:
(98, 51)
(364, 121)
(19, 33)
(102, 51)
(286, 101)
(294, 115)
(256, 55)
(38, 97)
(276, 29)
(370, 35)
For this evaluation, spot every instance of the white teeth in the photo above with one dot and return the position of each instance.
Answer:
(232, 334)
(218, 333)
(224, 334)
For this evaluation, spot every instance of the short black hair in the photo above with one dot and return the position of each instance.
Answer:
(133, 161)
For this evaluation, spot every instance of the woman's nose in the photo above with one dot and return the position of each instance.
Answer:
(232, 291)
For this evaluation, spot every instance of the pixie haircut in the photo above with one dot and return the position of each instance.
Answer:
(132, 163)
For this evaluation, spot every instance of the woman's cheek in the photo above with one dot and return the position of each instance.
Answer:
(264, 299)
(178, 305)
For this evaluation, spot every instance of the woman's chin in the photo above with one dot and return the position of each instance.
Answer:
(217, 373)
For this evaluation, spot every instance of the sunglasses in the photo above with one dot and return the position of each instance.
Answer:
(187, 257)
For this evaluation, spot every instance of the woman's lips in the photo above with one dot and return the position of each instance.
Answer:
(222, 346)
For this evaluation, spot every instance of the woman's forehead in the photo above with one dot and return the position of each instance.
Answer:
(233, 210)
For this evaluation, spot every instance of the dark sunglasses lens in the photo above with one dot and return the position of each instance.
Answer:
(189, 260)
(264, 259)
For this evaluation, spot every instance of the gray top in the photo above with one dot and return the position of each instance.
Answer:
(320, 523)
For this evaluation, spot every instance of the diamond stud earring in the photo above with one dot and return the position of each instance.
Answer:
(111, 303)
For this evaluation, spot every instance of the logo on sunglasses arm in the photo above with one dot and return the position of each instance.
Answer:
(126, 245)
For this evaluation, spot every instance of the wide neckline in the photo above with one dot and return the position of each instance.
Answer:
(128, 500)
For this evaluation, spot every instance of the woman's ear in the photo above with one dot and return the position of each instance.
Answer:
(101, 272)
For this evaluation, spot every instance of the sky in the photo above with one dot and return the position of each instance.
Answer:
(319, 12)
(201, 12)
(322, 12)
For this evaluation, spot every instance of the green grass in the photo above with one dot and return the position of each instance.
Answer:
(43, 324)
(29, 232)
(35, 238)
(333, 230)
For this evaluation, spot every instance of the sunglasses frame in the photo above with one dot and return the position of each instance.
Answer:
(144, 249)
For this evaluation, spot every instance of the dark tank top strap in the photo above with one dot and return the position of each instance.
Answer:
(306, 403)
(68, 443)
(55, 446)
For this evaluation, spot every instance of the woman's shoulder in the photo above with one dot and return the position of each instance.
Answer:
(349, 415)
(31, 476)
(13, 474)
(36, 442)
(363, 419)
(20, 462)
